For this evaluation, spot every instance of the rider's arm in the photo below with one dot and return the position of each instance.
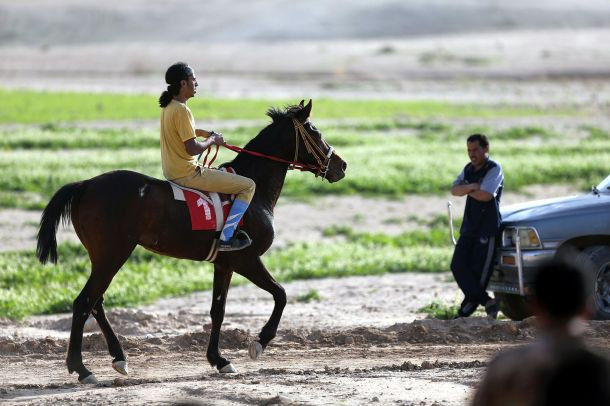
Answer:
(204, 133)
(194, 147)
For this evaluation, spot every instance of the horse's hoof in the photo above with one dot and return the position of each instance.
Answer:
(227, 369)
(121, 367)
(89, 380)
(90, 325)
(255, 349)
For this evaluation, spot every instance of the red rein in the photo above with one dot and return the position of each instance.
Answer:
(293, 164)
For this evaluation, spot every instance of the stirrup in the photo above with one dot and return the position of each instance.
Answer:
(239, 241)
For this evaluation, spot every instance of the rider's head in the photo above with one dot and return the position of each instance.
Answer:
(178, 76)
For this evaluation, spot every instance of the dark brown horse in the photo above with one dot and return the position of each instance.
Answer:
(115, 211)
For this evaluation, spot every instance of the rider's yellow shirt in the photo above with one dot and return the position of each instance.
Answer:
(177, 126)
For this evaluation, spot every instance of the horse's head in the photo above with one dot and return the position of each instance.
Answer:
(304, 145)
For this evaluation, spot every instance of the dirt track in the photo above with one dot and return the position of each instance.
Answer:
(363, 341)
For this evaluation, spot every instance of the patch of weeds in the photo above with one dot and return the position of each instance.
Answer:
(387, 49)
(448, 278)
(596, 133)
(476, 61)
(414, 219)
(52, 127)
(433, 126)
(441, 56)
(392, 220)
(439, 311)
(358, 218)
(337, 230)
(311, 295)
(521, 133)
(24, 200)
(439, 221)
(436, 57)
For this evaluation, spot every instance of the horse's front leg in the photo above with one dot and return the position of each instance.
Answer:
(256, 272)
(222, 279)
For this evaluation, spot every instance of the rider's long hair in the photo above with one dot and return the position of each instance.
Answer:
(168, 95)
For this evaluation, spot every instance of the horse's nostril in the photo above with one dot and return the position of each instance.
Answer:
(344, 166)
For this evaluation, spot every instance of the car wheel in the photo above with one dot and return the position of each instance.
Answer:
(596, 260)
(515, 307)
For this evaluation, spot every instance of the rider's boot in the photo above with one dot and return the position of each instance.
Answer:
(229, 239)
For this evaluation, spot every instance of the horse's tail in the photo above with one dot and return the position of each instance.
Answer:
(59, 208)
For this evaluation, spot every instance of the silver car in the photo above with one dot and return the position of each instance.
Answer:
(533, 232)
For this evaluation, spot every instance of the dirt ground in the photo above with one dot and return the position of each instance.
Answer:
(362, 343)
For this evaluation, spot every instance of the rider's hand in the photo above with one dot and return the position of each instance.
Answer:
(218, 138)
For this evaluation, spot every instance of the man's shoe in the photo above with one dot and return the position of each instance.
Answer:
(492, 308)
(239, 241)
(466, 309)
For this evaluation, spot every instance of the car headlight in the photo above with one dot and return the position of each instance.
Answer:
(528, 237)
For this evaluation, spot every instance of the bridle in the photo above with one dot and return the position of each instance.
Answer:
(321, 157)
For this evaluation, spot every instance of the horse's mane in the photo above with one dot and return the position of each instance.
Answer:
(277, 114)
(262, 139)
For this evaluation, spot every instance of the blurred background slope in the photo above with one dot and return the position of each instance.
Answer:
(453, 50)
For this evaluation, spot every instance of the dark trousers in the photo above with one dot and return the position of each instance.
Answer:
(471, 267)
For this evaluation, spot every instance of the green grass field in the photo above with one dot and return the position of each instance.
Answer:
(27, 287)
(53, 107)
(421, 157)
(392, 148)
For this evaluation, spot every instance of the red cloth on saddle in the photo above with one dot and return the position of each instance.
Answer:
(203, 215)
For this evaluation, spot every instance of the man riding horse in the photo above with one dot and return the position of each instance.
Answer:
(116, 211)
(179, 148)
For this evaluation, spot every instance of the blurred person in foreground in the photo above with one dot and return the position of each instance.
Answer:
(557, 368)
(180, 147)
(482, 181)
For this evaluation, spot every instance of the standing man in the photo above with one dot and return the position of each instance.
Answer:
(179, 148)
(482, 182)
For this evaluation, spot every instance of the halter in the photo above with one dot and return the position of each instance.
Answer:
(322, 158)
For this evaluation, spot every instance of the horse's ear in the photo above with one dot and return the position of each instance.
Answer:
(305, 112)
(302, 103)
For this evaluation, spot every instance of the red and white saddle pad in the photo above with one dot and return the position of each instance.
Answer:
(207, 210)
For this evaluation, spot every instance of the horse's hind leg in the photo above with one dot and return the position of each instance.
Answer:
(102, 272)
(119, 363)
(222, 280)
(256, 272)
